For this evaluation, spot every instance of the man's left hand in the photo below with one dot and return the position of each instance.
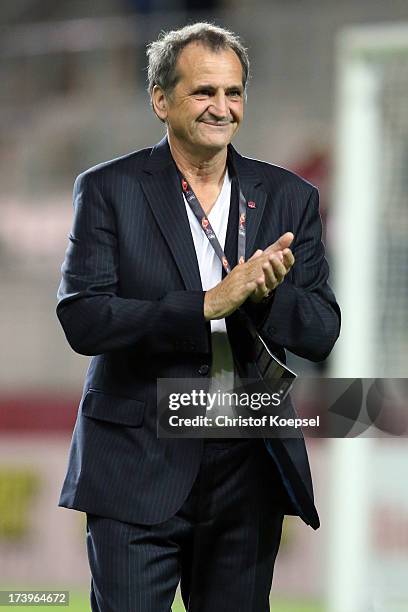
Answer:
(274, 272)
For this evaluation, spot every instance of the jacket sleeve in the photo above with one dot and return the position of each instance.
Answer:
(303, 315)
(94, 317)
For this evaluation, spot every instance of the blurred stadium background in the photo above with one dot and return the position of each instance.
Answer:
(325, 100)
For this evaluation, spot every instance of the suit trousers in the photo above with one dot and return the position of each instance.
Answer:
(220, 546)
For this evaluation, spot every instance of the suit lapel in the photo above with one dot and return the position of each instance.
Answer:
(163, 193)
(161, 187)
(230, 248)
(254, 194)
(254, 215)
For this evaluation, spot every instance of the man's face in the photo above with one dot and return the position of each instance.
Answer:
(206, 106)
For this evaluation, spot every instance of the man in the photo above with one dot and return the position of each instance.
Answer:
(144, 290)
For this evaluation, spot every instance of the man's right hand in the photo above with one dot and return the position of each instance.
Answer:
(244, 279)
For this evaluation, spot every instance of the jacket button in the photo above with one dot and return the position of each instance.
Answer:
(204, 369)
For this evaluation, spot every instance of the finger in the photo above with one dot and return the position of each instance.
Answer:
(279, 270)
(277, 254)
(257, 254)
(253, 267)
(288, 258)
(282, 243)
(271, 281)
(261, 288)
(275, 273)
(250, 287)
(260, 292)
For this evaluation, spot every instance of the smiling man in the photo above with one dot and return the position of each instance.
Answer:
(174, 249)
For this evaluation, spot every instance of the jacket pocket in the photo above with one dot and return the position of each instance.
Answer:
(112, 408)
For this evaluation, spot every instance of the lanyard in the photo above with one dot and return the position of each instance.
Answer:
(276, 376)
(208, 230)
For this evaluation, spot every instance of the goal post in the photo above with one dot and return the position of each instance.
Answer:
(369, 242)
(370, 220)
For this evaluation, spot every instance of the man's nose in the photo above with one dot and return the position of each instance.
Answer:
(219, 106)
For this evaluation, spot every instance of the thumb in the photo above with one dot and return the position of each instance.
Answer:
(282, 243)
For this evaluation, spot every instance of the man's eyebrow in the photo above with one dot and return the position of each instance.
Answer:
(212, 88)
(203, 86)
(239, 87)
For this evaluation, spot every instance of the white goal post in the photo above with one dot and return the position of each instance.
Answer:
(369, 242)
(370, 225)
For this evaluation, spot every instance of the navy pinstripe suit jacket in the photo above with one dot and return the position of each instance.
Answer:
(131, 297)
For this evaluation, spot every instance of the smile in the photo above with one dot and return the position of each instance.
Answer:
(213, 124)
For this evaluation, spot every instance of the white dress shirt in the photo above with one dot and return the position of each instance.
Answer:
(210, 268)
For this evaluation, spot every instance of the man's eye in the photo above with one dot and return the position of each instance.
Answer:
(235, 94)
(203, 92)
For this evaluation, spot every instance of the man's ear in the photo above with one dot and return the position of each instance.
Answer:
(159, 102)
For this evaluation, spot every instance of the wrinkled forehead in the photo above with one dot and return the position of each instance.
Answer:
(200, 63)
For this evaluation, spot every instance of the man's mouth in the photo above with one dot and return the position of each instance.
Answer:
(216, 123)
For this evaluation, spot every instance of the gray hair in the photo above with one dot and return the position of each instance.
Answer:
(163, 53)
